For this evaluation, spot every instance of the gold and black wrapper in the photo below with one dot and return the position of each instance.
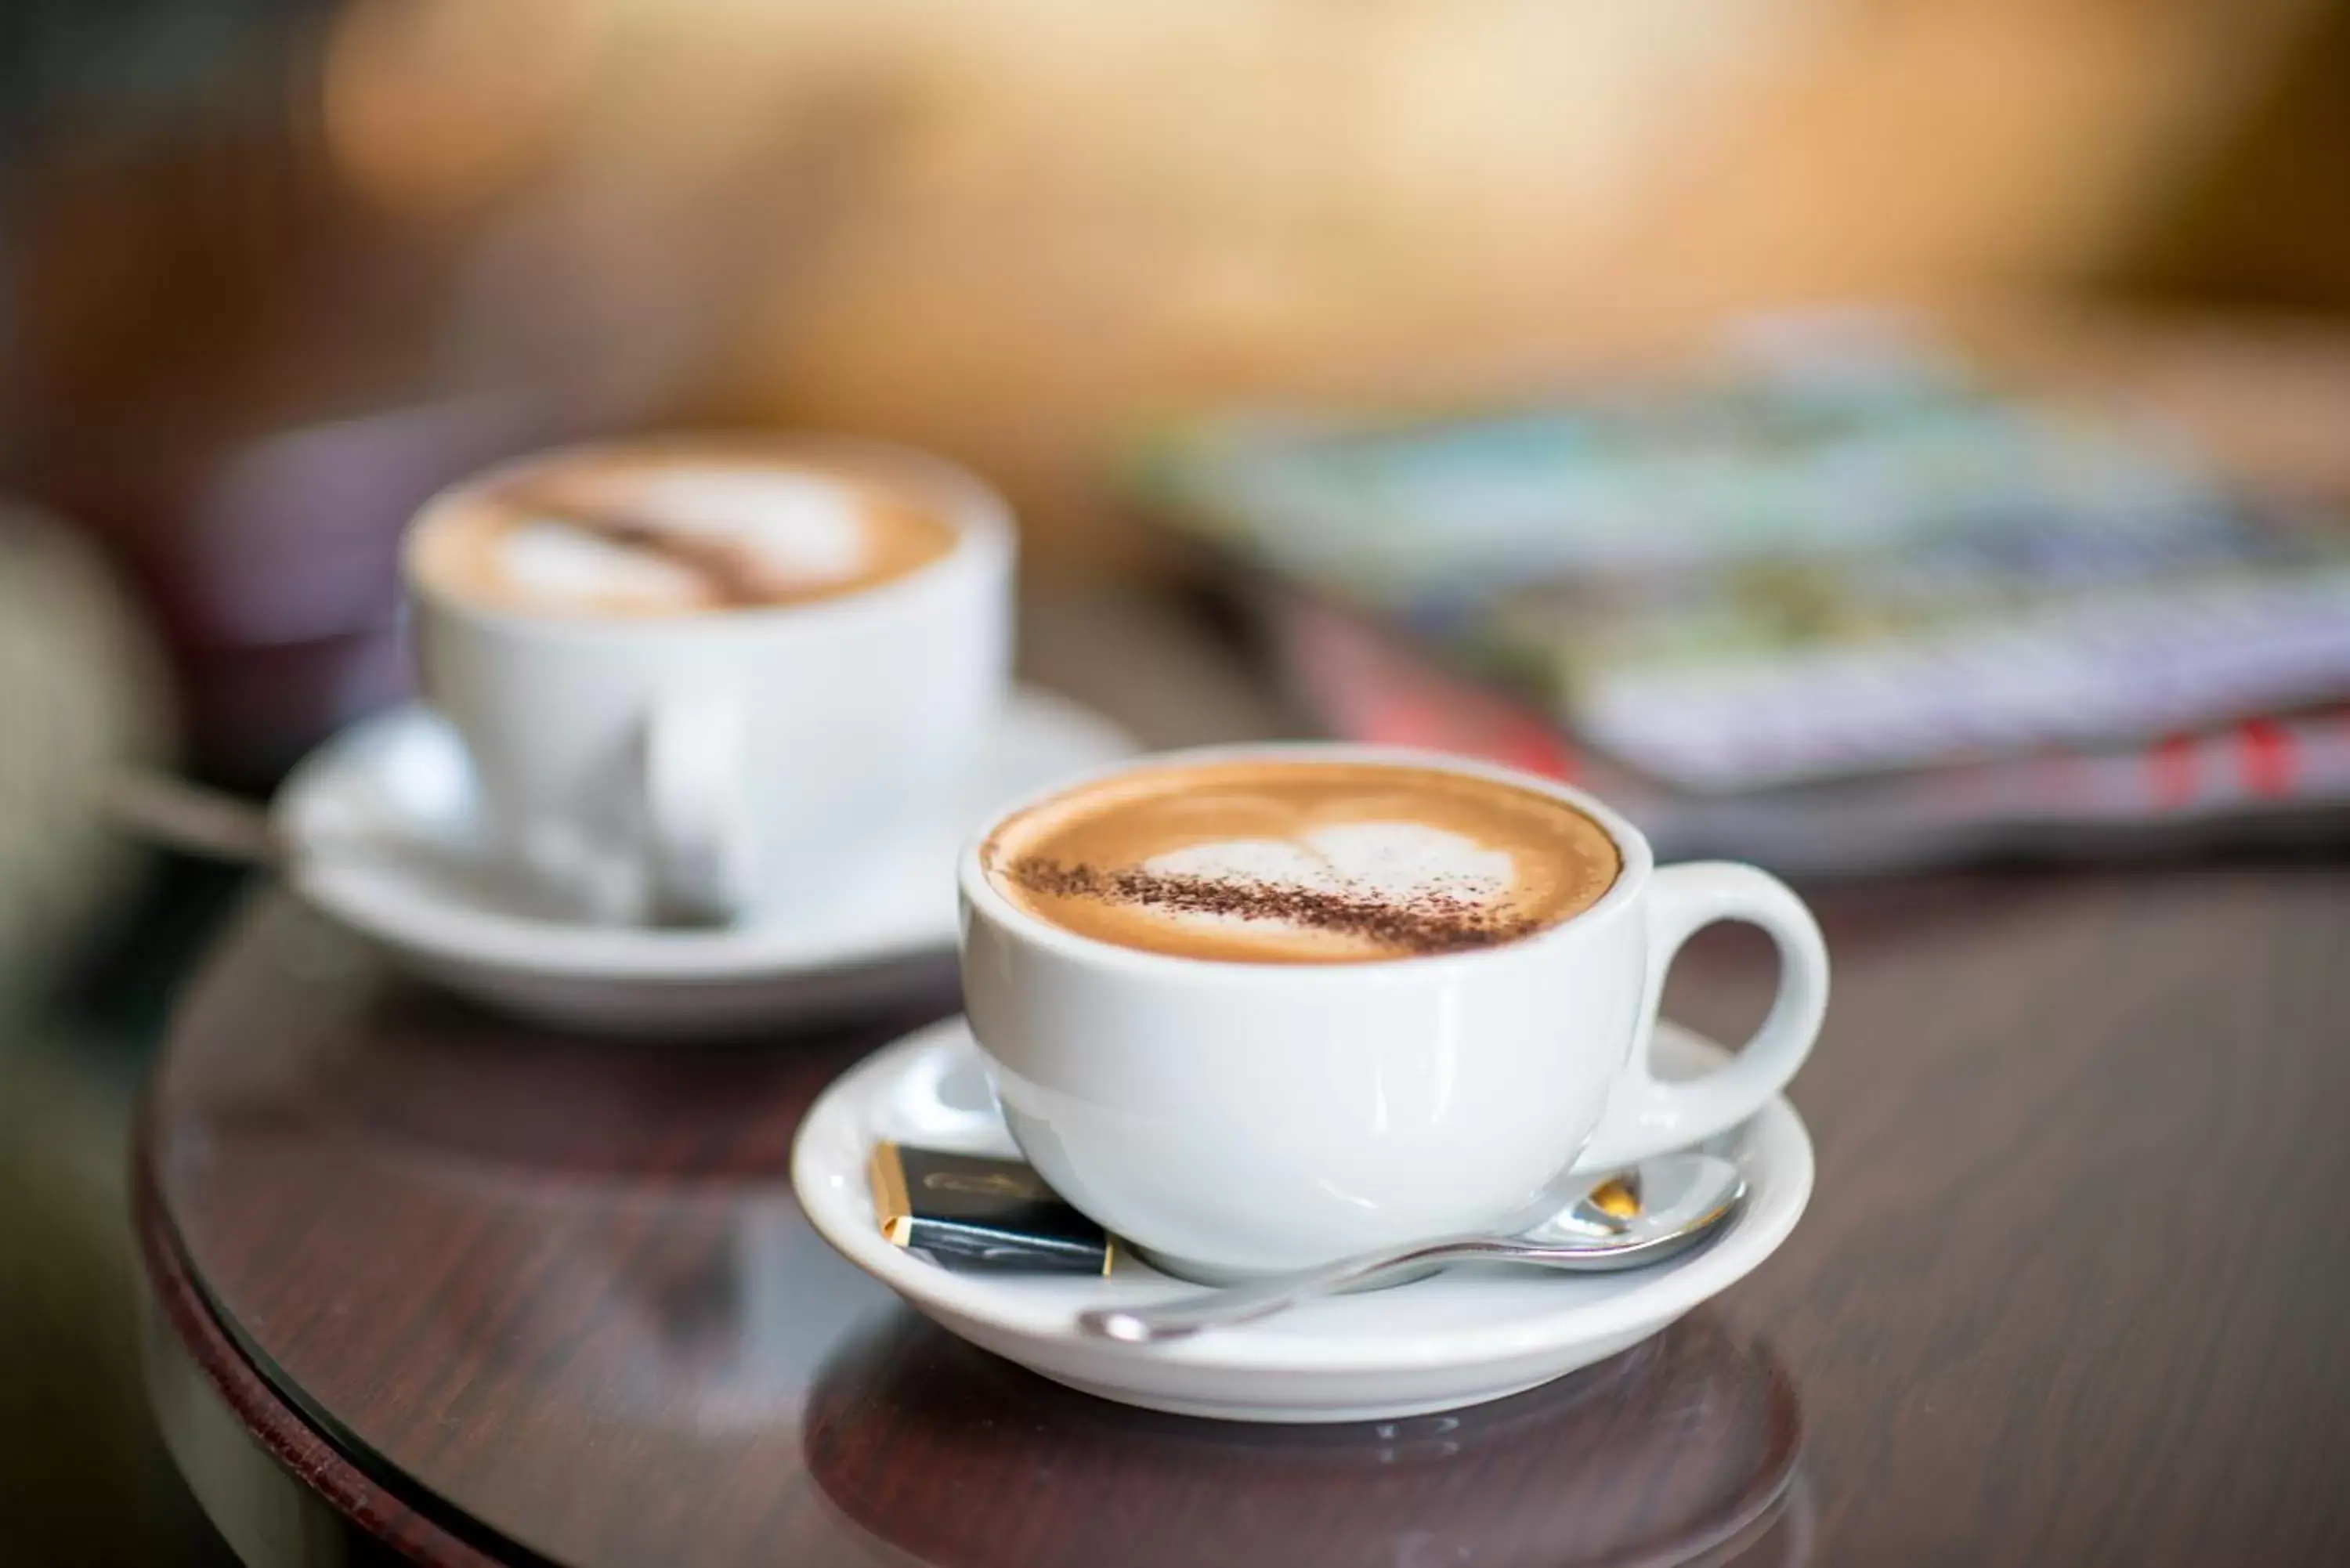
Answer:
(974, 1214)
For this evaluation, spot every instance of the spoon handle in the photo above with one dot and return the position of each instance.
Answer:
(1252, 1300)
(191, 819)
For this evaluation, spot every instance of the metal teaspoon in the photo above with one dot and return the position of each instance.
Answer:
(1657, 1210)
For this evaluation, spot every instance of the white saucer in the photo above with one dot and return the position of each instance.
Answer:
(1458, 1338)
(378, 829)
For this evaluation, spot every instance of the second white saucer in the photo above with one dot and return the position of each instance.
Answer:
(1458, 1339)
(378, 829)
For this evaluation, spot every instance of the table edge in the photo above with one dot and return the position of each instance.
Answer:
(306, 1454)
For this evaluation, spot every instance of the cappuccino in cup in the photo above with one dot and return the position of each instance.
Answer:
(1301, 862)
(1259, 1008)
(700, 679)
(675, 529)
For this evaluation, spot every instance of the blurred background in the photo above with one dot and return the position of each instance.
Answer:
(272, 271)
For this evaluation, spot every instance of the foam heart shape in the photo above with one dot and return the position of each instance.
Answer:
(1390, 861)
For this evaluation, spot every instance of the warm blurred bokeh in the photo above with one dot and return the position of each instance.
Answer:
(277, 271)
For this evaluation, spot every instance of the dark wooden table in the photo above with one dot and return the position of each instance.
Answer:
(2074, 1288)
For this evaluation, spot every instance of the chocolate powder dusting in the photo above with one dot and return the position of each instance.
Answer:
(733, 575)
(1430, 921)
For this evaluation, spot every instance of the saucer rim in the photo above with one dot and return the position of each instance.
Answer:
(449, 931)
(1041, 1310)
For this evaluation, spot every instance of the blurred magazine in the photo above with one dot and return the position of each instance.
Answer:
(1832, 555)
(2259, 779)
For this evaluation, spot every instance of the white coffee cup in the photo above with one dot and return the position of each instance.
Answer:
(705, 766)
(1235, 1118)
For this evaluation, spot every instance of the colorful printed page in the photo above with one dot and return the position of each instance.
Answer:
(2255, 777)
(1787, 574)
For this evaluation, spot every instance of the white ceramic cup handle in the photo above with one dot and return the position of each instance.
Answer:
(1647, 1116)
(697, 818)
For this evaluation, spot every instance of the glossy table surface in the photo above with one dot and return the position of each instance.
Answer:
(2072, 1288)
(2071, 1291)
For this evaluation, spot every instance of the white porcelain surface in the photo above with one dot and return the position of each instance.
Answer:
(382, 831)
(697, 762)
(1238, 1118)
(1458, 1339)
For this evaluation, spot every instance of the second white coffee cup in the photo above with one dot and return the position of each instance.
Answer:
(1235, 1118)
(705, 766)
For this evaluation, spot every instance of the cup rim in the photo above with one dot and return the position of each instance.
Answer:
(981, 898)
(985, 533)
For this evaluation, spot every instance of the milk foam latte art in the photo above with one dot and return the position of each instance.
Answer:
(1301, 862)
(668, 529)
